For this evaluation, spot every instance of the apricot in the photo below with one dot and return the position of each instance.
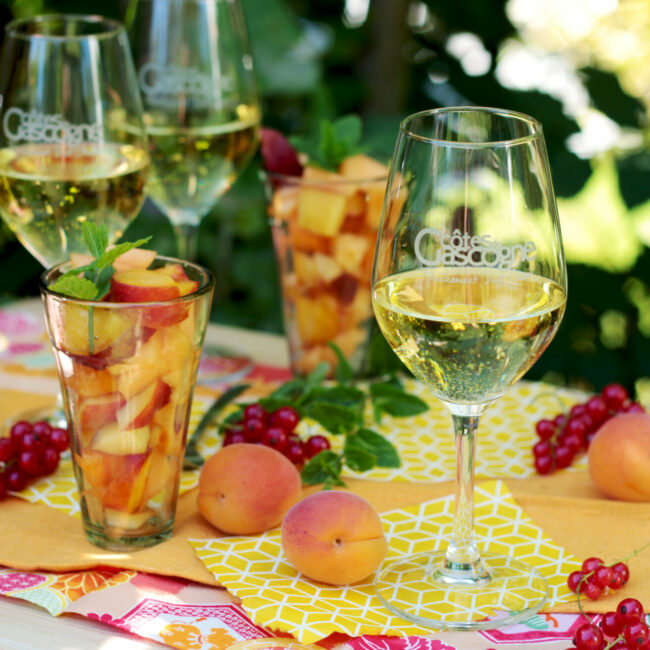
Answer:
(619, 457)
(245, 489)
(334, 537)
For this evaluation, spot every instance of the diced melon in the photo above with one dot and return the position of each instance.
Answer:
(363, 166)
(349, 251)
(317, 318)
(321, 211)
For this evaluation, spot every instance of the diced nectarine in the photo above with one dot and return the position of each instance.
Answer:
(317, 318)
(142, 285)
(138, 410)
(89, 382)
(134, 374)
(308, 241)
(364, 167)
(134, 259)
(114, 440)
(94, 412)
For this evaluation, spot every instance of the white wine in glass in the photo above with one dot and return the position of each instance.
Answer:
(72, 139)
(469, 288)
(202, 116)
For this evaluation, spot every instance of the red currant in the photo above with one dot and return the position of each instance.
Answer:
(573, 442)
(286, 417)
(3, 486)
(42, 428)
(590, 564)
(591, 590)
(597, 408)
(629, 610)
(20, 428)
(574, 580)
(33, 442)
(314, 445)
(59, 439)
(589, 637)
(563, 456)
(294, 453)
(7, 449)
(559, 420)
(615, 396)
(255, 412)
(576, 427)
(544, 464)
(275, 437)
(545, 429)
(31, 463)
(602, 576)
(233, 437)
(636, 634)
(620, 575)
(634, 407)
(543, 448)
(50, 460)
(610, 625)
(253, 429)
(577, 410)
(16, 480)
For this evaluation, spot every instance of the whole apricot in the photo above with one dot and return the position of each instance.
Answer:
(334, 537)
(245, 489)
(619, 457)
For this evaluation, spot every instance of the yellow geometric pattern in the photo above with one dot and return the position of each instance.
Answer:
(275, 595)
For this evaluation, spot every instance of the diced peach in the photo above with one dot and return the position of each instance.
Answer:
(358, 311)
(134, 259)
(134, 374)
(177, 350)
(89, 382)
(95, 412)
(363, 166)
(161, 475)
(317, 318)
(375, 205)
(138, 410)
(307, 241)
(75, 334)
(142, 285)
(349, 251)
(112, 439)
(356, 205)
(326, 267)
(186, 287)
(320, 210)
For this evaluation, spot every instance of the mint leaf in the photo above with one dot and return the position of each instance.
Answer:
(391, 399)
(324, 467)
(108, 257)
(335, 418)
(96, 237)
(334, 142)
(340, 395)
(357, 456)
(343, 372)
(382, 448)
(73, 285)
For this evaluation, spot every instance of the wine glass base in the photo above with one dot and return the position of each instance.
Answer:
(410, 588)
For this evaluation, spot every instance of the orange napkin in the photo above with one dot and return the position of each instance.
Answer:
(566, 506)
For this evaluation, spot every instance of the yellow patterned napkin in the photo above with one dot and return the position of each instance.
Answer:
(276, 596)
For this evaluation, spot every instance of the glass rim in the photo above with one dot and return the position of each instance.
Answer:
(112, 27)
(343, 181)
(503, 112)
(206, 285)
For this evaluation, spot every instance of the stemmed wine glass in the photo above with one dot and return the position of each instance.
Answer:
(469, 287)
(202, 114)
(72, 141)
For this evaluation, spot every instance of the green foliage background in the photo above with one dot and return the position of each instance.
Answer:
(312, 63)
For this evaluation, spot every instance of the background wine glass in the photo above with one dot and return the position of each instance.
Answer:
(72, 139)
(201, 106)
(469, 287)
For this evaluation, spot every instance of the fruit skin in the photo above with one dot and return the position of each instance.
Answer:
(245, 489)
(619, 457)
(334, 537)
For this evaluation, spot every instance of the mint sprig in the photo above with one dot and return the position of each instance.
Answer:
(339, 408)
(93, 281)
(334, 142)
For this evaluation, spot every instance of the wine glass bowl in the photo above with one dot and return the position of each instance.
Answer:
(202, 115)
(469, 288)
(72, 140)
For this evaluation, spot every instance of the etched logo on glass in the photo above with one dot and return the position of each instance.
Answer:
(463, 249)
(163, 84)
(32, 126)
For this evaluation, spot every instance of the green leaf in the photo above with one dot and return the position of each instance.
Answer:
(72, 285)
(103, 281)
(193, 458)
(382, 448)
(335, 418)
(356, 454)
(340, 395)
(388, 398)
(324, 467)
(317, 375)
(96, 237)
(343, 373)
(107, 258)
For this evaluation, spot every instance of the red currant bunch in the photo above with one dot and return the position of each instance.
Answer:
(623, 629)
(562, 439)
(31, 450)
(595, 576)
(276, 429)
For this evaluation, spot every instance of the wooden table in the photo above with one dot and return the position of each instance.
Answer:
(27, 627)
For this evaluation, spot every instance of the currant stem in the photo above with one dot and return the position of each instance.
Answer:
(635, 552)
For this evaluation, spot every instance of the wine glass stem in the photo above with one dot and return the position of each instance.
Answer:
(187, 239)
(462, 560)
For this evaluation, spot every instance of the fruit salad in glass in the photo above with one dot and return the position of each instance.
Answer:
(324, 224)
(127, 364)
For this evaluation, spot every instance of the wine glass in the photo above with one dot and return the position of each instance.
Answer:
(202, 114)
(72, 140)
(469, 287)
